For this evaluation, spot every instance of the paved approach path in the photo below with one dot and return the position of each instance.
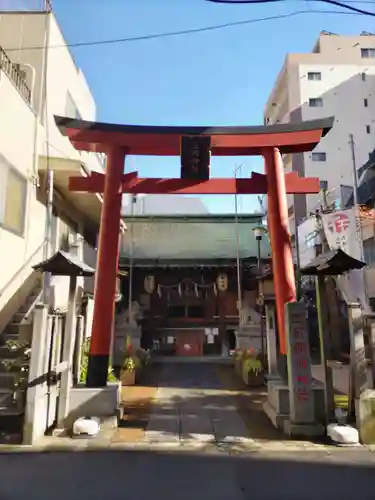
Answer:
(191, 404)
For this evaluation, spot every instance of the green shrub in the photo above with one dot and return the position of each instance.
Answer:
(85, 349)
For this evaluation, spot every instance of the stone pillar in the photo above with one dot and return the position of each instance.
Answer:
(36, 402)
(106, 271)
(278, 223)
(370, 317)
(358, 365)
(272, 351)
(66, 382)
(302, 421)
(321, 307)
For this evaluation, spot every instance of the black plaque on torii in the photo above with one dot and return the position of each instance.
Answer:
(195, 157)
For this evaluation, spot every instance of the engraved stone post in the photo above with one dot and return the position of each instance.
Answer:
(301, 397)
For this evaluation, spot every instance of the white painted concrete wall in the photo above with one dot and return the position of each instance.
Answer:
(343, 93)
(17, 150)
(17, 127)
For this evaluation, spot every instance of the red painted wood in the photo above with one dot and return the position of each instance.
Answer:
(169, 144)
(192, 339)
(278, 225)
(257, 184)
(107, 260)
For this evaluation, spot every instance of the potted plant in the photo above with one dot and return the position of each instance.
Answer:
(130, 364)
(238, 358)
(252, 368)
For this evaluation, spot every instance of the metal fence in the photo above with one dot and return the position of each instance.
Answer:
(15, 75)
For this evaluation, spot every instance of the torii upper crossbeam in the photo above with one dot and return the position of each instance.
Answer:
(117, 141)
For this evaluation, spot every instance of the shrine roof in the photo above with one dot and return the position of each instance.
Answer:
(334, 263)
(165, 140)
(200, 238)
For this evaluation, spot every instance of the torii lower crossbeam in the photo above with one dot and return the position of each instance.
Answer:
(257, 184)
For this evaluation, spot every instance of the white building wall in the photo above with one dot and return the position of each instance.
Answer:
(17, 122)
(343, 93)
(17, 127)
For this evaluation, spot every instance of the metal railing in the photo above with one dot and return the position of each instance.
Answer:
(15, 76)
(25, 5)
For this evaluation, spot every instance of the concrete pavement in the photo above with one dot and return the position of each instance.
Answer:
(191, 405)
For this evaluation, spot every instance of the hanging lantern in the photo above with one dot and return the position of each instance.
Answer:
(222, 282)
(149, 284)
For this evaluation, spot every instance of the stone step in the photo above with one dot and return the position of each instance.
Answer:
(9, 353)
(19, 317)
(8, 380)
(6, 400)
(11, 423)
(10, 365)
(12, 330)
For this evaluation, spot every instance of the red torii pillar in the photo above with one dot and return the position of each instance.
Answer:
(278, 221)
(106, 270)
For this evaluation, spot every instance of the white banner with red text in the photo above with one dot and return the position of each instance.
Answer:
(342, 230)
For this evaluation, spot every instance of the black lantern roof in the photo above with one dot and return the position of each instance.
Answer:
(64, 264)
(333, 263)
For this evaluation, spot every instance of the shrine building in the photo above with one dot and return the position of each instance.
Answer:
(184, 275)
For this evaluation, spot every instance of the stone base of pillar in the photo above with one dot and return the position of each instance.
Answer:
(249, 337)
(303, 430)
(365, 416)
(100, 402)
(278, 411)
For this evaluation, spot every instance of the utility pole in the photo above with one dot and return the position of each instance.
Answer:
(239, 291)
(298, 260)
(355, 196)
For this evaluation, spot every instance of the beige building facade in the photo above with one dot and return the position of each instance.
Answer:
(38, 81)
(336, 79)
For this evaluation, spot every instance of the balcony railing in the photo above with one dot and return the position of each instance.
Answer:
(15, 76)
(25, 5)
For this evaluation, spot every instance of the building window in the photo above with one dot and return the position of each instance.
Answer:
(316, 102)
(363, 75)
(369, 251)
(319, 156)
(368, 129)
(71, 110)
(13, 191)
(314, 76)
(365, 103)
(368, 53)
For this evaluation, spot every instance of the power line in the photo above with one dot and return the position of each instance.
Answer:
(185, 32)
(330, 2)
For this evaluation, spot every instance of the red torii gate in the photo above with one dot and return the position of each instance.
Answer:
(117, 141)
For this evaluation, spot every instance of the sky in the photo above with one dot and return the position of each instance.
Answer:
(216, 77)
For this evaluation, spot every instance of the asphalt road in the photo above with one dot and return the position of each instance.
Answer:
(144, 475)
